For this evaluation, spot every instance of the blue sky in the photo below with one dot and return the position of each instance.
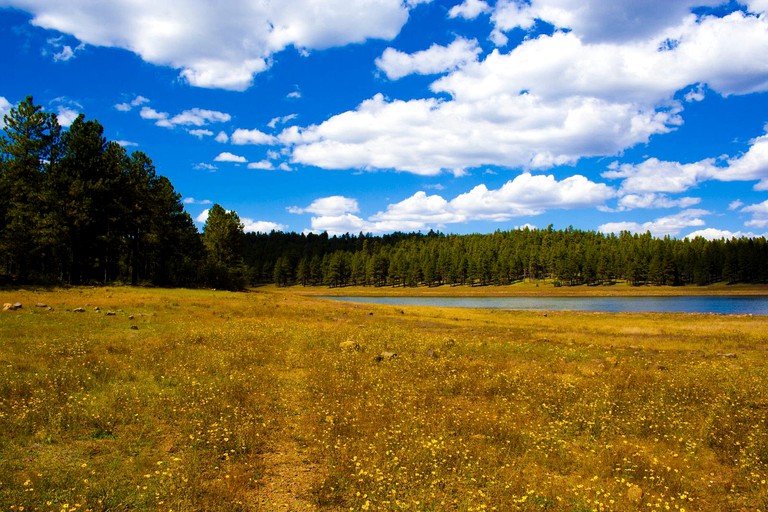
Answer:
(408, 115)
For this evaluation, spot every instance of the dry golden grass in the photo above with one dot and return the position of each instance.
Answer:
(227, 401)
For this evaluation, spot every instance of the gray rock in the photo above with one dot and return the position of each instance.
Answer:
(41, 305)
(78, 310)
(111, 313)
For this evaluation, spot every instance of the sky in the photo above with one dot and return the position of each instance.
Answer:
(463, 116)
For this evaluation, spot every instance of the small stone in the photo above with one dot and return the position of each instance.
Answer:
(111, 313)
(97, 309)
(349, 346)
(7, 306)
(134, 327)
(78, 310)
(635, 494)
(727, 356)
(41, 305)
(385, 356)
(130, 317)
(433, 353)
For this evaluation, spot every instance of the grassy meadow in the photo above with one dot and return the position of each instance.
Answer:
(208, 400)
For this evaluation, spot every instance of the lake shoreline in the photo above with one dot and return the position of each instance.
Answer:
(543, 289)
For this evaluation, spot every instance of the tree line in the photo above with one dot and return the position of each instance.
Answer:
(76, 208)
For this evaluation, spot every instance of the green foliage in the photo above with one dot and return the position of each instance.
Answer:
(77, 208)
(223, 240)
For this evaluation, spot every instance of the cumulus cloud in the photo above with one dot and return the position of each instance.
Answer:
(264, 165)
(436, 59)
(261, 226)
(719, 234)
(66, 116)
(130, 105)
(242, 136)
(200, 133)
(654, 175)
(5, 107)
(596, 20)
(192, 200)
(469, 9)
(759, 214)
(553, 99)
(671, 225)
(281, 120)
(219, 45)
(222, 138)
(329, 206)
(202, 166)
(650, 200)
(63, 52)
(226, 156)
(429, 136)
(203, 217)
(192, 117)
(526, 195)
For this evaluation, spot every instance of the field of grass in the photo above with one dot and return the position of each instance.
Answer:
(204, 400)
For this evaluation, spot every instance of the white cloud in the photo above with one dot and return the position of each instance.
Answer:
(192, 200)
(329, 206)
(200, 133)
(203, 216)
(202, 166)
(469, 9)
(219, 45)
(436, 59)
(759, 214)
(757, 6)
(671, 225)
(735, 205)
(63, 52)
(128, 106)
(199, 117)
(718, 234)
(127, 143)
(192, 117)
(294, 95)
(552, 100)
(597, 20)
(526, 195)
(241, 137)
(226, 156)
(654, 175)
(261, 226)
(696, 94)
(281, 120)
(160, 118)
(5, 108)
(66, 116)
(651, 200)
(752, 165)
(264, 165)
(222, 137)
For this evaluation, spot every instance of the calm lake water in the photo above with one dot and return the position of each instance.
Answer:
(719, 305)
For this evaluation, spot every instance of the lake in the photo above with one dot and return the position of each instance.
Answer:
(698, 304)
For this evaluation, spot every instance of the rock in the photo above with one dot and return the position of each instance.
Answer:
(41, 305)
(349, 346)
(130, 317)
(97, 309)
(433, 353)
(385, 356)
(111, 313)
(7, 306)
(17, 305)
(134, 327)
(635, 494)
(727, 356)
(78, 310)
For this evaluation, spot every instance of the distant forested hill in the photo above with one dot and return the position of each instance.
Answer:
(76, 209)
